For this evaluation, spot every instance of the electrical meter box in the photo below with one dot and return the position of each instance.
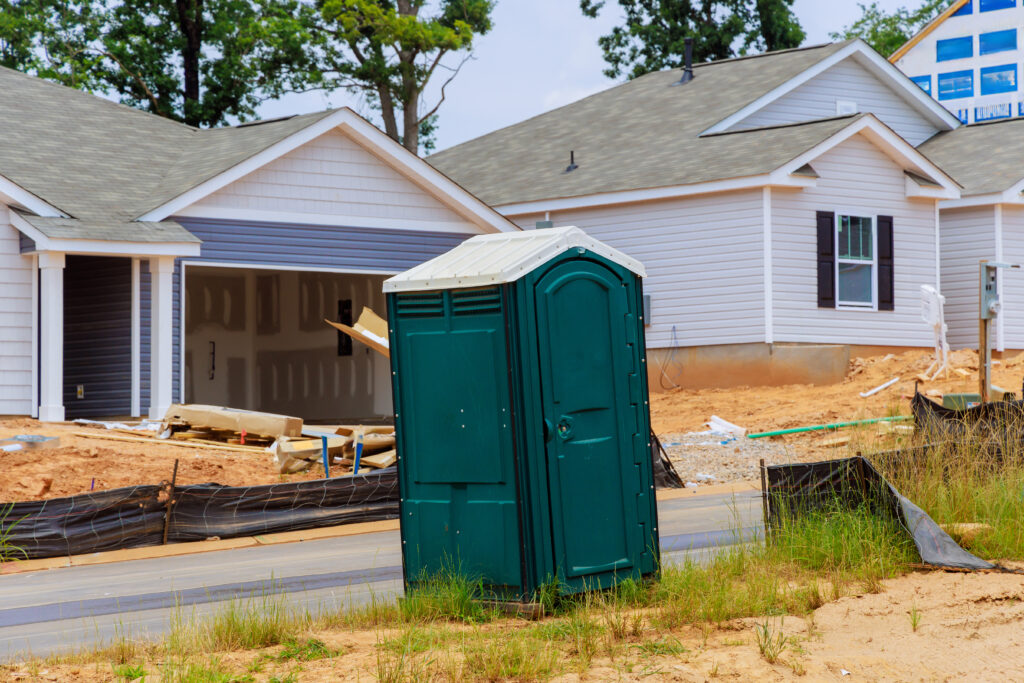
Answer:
(521, 412)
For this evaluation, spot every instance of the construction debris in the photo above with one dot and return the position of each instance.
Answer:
(245, 423)
(370, 329)
(296, 455)
(29, 442)
(885, 385)
(719, 426)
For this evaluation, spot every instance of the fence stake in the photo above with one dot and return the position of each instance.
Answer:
(170, 500)
(764, 499)
(326, 457)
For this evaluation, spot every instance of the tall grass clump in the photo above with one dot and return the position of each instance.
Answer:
(810, 557)
(8, 551)
(238, 625)
(974, 477)
(447, 595)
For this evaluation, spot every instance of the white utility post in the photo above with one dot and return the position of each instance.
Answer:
(51, 336)
(161, 270)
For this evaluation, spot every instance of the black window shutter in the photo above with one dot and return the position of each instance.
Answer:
(886, 294)
(826, 259)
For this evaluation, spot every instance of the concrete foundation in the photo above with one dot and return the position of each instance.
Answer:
(732, 365)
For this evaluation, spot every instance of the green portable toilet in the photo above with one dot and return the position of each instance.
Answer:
(522, 418)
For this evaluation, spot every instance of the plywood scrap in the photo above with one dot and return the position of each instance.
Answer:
(369, 329)
(380, 460)
(167, 442)
(836, 442)
(232, 420)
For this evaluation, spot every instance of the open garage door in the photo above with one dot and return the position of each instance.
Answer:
(256, 339)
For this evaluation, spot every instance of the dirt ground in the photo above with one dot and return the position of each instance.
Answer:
(968, 629)
(73, 467)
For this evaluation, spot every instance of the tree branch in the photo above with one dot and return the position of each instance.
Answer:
(455, 72)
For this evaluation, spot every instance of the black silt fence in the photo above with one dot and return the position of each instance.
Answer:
(796, 489)
(135, 516)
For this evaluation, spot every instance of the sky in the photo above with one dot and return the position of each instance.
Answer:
(541, 54)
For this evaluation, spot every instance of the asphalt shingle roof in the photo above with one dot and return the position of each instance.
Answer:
(105, 164)
(644, 133)
(983, 157)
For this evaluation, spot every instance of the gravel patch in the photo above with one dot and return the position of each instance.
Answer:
(703, 458)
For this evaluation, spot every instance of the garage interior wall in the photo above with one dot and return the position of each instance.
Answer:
(256, 339)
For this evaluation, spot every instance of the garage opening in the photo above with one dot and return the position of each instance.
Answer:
(256, 339)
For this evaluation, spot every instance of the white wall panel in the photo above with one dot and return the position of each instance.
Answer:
(704, 259)
(847, 81)
(15, 323)
(334, 176)
(855, 178)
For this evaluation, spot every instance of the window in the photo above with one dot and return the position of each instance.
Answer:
(855, 261)
(997, 79)
(956, 84)
(954, 48)
(966, 9)
(990, 5)
(923, 82)
(997, 41)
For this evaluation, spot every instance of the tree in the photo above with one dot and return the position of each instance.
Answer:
(388, 51)
(652, 37)
(887, 32)
(196, 61)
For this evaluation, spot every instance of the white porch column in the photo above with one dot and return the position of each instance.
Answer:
(51, 336)
(161, 335)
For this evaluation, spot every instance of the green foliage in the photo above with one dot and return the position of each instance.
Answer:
(888, 31)
(915, 617)
(130, 672)
(652, 35)
(197, 61)
(8, 551)
(190, 672)
(388, 50)
(446, 596)
(770, 643)
(305, 651)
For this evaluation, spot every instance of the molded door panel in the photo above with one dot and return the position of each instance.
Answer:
(586, 360)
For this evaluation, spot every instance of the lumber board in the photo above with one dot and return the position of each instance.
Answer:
(380, 460)
(234, 421)
(168, 442)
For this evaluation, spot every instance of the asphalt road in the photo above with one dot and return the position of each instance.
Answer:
(62, 610)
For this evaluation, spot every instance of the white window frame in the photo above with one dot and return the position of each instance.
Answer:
(849, 305)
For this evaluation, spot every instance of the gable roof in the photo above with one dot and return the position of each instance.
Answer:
(647, 133)
(984, 158)
(82, 167)
(928, 28)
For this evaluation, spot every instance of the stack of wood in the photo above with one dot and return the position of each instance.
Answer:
(298, 454)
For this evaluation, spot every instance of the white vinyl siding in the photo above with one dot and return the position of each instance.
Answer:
(704, 258)
(15, 323)
(339, 181)
(847, 81)
(968, 236)
(1012, 280)
(856, 178)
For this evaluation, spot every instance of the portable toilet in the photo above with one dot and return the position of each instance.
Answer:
(521, 412)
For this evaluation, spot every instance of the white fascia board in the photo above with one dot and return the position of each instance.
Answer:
(934, 111)
(13, 193)
(889, 142)
(912, 189)
(654, 193)
(30, 231)
(140, 249)
(256, 215)
(403, 161)
(1005, 197)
